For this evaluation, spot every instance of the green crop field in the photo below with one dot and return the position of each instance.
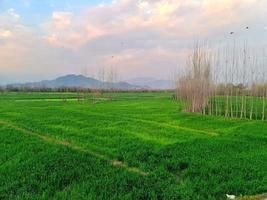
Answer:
(135, 146)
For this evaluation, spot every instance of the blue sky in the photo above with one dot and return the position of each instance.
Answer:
(34, 12)
(43, 39)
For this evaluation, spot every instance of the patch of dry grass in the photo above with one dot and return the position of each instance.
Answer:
(257, 197)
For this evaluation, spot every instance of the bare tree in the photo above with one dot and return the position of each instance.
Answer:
(112, 80)
(231, 82)
(195, 86)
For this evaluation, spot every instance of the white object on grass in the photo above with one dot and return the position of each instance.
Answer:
(230, 196)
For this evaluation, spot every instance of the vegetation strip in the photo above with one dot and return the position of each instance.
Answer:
(176, 127)
(257, 197)
(114, 163)
(162, 124)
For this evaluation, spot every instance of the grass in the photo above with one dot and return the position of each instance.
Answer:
(251, 104)
(138, 146)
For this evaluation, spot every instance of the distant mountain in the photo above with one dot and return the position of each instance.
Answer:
(78, 81)
(151, 83)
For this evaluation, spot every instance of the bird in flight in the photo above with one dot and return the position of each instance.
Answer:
(231, 33)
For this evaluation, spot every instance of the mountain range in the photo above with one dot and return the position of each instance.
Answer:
(151, 83)
(78, 81)
(81, 81)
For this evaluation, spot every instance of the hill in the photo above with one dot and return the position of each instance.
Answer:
(151, 83)
(79, 81)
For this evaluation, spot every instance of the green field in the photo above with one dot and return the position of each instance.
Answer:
(137, 146)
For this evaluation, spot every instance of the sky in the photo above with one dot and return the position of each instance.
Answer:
(44, 39)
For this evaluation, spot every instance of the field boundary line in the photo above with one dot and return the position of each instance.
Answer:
(175, 126)
(49, 139)
(212, 133)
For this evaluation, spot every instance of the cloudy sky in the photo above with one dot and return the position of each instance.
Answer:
(43, 39)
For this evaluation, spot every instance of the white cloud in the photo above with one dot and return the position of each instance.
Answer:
(12, 13)
(25, 55)
(61, 20)
(5, 33)
(172, 18)
(63, 31)
(144, 36)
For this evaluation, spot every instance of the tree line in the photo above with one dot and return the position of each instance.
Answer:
(227, 81)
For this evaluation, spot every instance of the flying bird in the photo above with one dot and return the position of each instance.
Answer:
(231, 33)
(247, 27)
